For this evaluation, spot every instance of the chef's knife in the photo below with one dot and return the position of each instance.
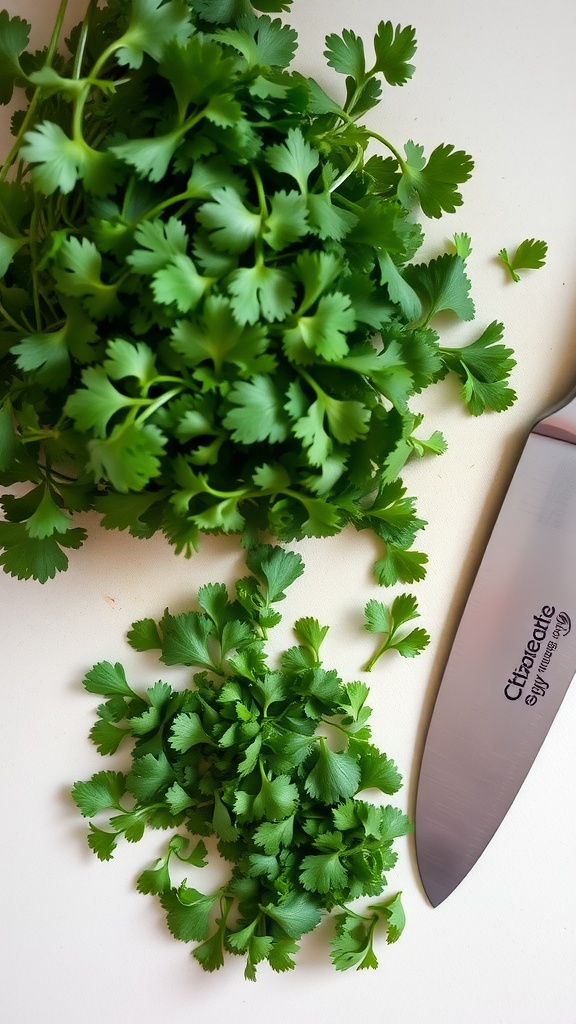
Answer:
(511, 663)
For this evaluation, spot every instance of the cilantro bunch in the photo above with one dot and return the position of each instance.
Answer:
(211, 315)
(263, 767)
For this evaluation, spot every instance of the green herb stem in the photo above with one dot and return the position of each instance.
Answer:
(36, 96)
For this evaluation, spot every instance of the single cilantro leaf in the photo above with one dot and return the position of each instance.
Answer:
(262, 41)
(392, 911)
(257, 411)
(277, 798)
(388, 620)
(104, 791)
(150, 157)
(49, 354)
(158, 243)
(378, 771)
(482, 395)
(483, 367)
(187, 912)
(275, 567)
(155, 880)
(187, 730)
(216, 334)
(79, 273)
(444, 284)
(38, 558)
(260, 293)
(352, 945)
(129, 457)
(530, 255)
(108, 680)
(273, 835)
(231, 226)
(324, 332)
(296, 914)
(328, 220)
(294, 157)
(125, 359)
(399, 290)
(287, 221)
(186, 640)
(394, 46)
(8, 249)
(150, 775)
(153, 23)
(345, 53)
(334, 776)
(462, 244)
(198, 71)
(101, 842)
(323, 872)
(433, 182)
(310, 634)
(58, 160)
(180, 283)
(400, 566)
(14, 36)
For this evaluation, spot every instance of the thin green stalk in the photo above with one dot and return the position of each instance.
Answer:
(30, 113)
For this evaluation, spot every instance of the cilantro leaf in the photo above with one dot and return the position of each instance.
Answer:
(295, 157)
(94, 405)
(231, 226)
(263, 42)
(79, 273)
(153, 23)
(296, 914)
(334, 776)
(483, 367)
(394, 46)
(444, 285)
(388, 621)
(104, 791)
(434, 182)
(159, 242)
(257, 411)
(323, 332)
(14, 35)
(39, 558)
(187, 912)
(529, 255)
(345, 53)
(260, 292)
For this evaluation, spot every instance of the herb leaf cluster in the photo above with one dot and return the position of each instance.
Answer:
(272, 765)
(211, 315)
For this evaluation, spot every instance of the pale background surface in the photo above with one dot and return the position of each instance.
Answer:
(79, 945)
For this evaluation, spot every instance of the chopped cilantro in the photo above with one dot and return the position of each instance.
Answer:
(246, 755)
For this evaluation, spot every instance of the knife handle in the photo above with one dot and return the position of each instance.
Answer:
(560, 422)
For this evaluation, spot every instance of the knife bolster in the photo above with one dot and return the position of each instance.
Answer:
(560, 423)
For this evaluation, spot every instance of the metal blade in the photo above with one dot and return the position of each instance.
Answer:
(512, 661)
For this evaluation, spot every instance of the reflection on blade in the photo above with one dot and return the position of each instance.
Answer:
(512, 661)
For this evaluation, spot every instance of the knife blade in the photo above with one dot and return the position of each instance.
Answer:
(511, 663)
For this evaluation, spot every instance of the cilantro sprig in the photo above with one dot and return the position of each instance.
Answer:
(212, 318)
(529, 255)
(265, 767)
